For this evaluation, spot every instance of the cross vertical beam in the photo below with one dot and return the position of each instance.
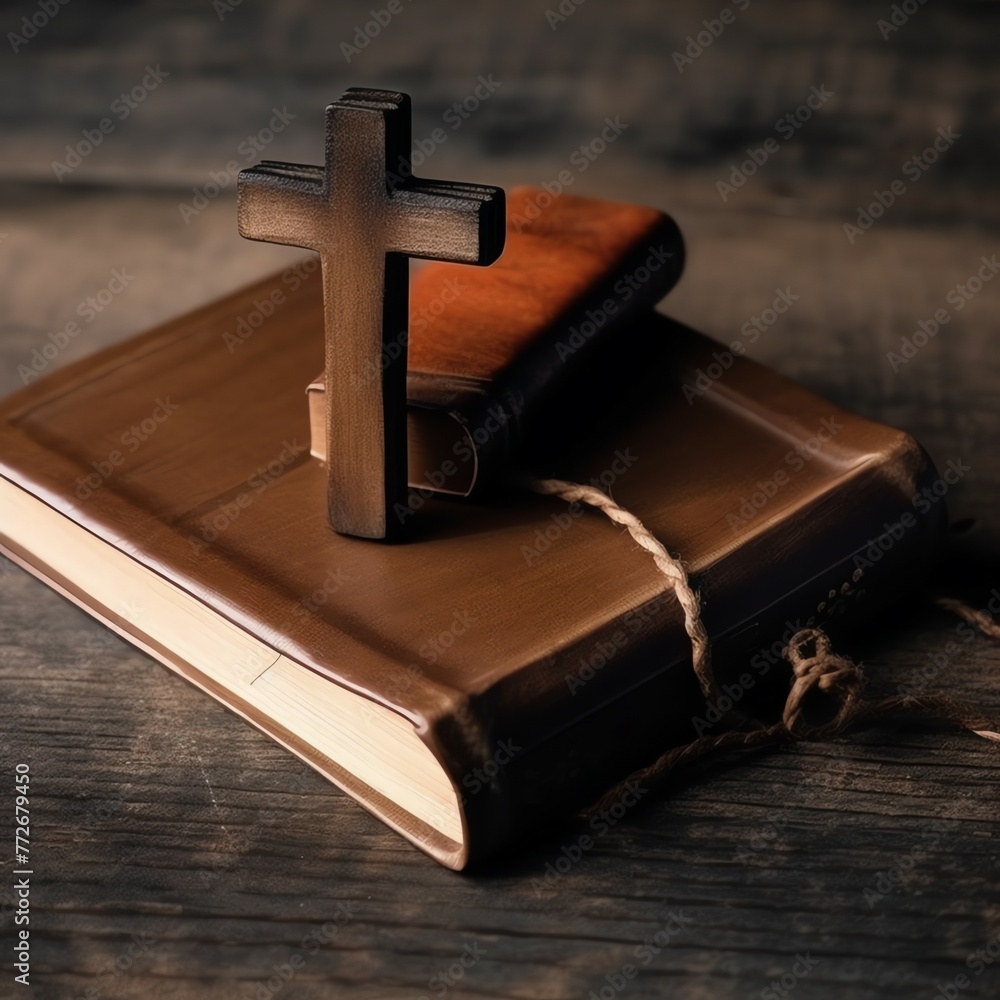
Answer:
(365, 224)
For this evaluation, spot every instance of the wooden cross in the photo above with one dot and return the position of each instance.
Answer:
(365, 213)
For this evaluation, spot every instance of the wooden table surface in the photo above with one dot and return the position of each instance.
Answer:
(179, 853)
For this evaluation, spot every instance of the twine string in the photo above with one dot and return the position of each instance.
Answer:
(979, 619)
(673, 569)
(826, 692)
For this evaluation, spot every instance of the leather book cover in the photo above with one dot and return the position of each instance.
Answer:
(535, 650)
(488, 349)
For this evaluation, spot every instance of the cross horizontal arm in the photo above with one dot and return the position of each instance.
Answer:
(464, 223)
(281, 203)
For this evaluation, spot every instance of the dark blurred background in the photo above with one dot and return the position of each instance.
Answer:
(895, 80)
(278, 843)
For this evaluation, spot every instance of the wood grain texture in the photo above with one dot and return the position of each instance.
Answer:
(364, 220)
(158, 814)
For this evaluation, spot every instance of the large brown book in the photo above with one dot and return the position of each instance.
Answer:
(516, 654)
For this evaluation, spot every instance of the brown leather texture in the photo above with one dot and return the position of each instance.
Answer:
(476, 629)
(559, 250)
(491, 345)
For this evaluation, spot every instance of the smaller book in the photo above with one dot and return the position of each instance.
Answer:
(489, 352)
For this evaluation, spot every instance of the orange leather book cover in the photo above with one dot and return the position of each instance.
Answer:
(488, 349)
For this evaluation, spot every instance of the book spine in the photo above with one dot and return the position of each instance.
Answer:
(568, 368)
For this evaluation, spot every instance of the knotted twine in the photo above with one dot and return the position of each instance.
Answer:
(826, 693)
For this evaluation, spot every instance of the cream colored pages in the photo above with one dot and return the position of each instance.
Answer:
(378, 746)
